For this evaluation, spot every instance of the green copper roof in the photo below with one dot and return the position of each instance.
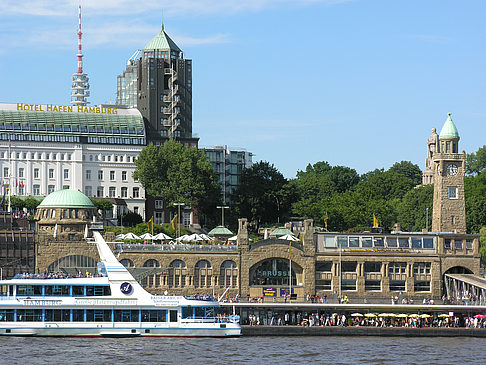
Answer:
(281, 231)
(220, 231)
(449, 130)
(162, 41)
(67, 198)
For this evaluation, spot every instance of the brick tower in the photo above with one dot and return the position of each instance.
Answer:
(449, 166)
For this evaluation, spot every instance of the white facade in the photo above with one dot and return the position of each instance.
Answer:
(101, 171)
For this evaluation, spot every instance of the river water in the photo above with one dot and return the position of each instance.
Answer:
(244, 350)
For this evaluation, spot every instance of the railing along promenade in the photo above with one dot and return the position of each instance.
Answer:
(176, 247)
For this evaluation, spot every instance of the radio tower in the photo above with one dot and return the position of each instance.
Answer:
(80, 80)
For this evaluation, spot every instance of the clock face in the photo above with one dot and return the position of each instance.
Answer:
(451, 169)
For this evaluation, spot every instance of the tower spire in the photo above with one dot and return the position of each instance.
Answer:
(80, 88)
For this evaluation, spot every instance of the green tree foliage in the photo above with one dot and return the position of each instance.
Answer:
(475, 192)
(31, 203)
(476, 161)
(102, 204)
(262, 195)
(349, 201)
(17, 203)
(130, 219)
(179, 174)
(482, 243)
(412, 210)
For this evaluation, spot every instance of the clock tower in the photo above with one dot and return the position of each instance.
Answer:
(448, 166)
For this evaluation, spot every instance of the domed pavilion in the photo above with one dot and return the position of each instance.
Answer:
(64, 214)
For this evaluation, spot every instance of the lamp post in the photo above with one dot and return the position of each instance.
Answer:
(222, 207)
(178, 233)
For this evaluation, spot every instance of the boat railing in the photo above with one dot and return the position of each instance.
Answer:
(178, 247)
(206, 298)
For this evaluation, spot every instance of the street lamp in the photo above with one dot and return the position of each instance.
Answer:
(178, 233)
(222, 207)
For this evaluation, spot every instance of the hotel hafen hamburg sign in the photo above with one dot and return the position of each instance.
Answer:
(65, 108)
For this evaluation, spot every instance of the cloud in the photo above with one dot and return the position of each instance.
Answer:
(127, 7)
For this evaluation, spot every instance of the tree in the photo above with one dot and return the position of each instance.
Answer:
(408, 169)
(412, 210)
(130, 219)
(260, 197)
(475, 192)
(179, 174)
(102, 204)
(31, 203)
(476, 162)
(16, 203)
(482, 243)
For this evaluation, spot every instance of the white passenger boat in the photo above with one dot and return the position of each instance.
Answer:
(111, 304)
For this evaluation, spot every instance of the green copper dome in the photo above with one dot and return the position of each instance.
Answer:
(162, 41)
(220, 231)
(449, 130)
(67, 198)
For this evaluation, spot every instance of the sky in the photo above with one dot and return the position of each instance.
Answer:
(357, 83)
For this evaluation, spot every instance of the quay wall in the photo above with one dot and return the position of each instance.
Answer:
(361, 331)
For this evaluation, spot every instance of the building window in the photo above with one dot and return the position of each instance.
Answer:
(66, 174)
(228, 274)
(21, 172)
(203, 274)
(323, 284)
(458, 244)
(135, 210)
(21, 190)
(50, 189)
(88, 191)
(348, 284)
(158, 217)
(397, 285)
(88, 174)
(452, 192)
(51, 173)
(100, 192)
(397, 268)
(36, 189)
(112, 192)
(152, 280)
(372, 267)
(421, 268)
(420, 286)
(177, 274)
(36, 173)
(124, 176)
(447, 244)
(124, 192)
(136, 192)
(469, 244)
(5, 172)
(100, 174)
(348, 266)
(159, 204)
(372, 285)
(64, 187)
(112, 175)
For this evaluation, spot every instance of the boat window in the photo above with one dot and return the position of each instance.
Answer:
(210, 312)
(187, 312)
(159, 315)
(97, 290)
(366, 242)
(57, 315)
(6, 315)
(199, 312)
(29, 290)
(173, 316)
(78, 290)
(126, 316)
(78, 315)
(98, 315)
(29, 315)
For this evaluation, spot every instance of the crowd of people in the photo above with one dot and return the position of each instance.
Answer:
(368, 320)
(55, 275)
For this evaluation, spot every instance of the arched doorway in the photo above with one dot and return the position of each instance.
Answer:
(273, 272)
(73, 265)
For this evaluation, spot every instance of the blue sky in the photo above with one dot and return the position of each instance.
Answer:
(358, 83)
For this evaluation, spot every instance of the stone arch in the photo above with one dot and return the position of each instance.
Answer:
(203, 273)
(127, 263)
(274, 271)
(228, 274)
(177, 274)
(72, 264)
(458, 270)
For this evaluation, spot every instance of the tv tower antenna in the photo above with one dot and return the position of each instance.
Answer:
(80, 80)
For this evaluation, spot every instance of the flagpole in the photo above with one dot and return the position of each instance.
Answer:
(290, 271)
(9, 177)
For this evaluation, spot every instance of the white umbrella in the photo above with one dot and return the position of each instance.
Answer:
(288, 237)
(131, 236)
(182, 238)
(162, 236)
(120, 237)
(146, 236)
(265, 235)
(234, 238)
(193, 237)
(205, 237)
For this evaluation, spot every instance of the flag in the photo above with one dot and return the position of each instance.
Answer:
(120, 252)
(325, 221)
(150, 224)
(375, 222)
(173, 222)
